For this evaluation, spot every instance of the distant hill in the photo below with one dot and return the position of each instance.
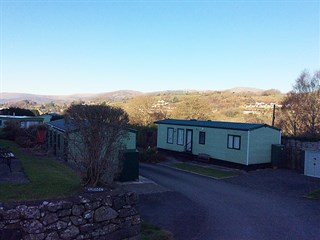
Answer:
(245, 89)
(113, 96)
(107, 96)
(17, 97)
(117, 95)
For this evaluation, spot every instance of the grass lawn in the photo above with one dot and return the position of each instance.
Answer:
(204, 171)
(314, 195)
(48, 178)
(152, 232)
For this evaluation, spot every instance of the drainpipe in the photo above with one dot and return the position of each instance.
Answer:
(248, 147)
(280, 137)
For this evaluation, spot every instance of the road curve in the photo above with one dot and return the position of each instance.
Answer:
(203, 208)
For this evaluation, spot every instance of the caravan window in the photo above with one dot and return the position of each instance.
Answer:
(234, 142)
(202, 138)
(180, 136)
(170, 135)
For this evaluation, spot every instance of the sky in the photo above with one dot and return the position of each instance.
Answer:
(72, 46)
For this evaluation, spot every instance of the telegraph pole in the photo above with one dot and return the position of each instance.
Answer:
(273, 114)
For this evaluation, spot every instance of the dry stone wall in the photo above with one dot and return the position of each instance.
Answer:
(105, 215)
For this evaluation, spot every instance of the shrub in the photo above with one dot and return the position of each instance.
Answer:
(11, 130)
(151, 155)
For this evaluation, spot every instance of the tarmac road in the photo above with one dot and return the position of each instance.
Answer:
(203, 208)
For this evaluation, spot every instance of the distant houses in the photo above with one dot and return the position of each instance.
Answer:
(258, 107)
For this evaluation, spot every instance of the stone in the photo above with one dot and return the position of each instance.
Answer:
(11, 214)
(2, 212)
(84, 200)
(77, 220)
(64, 213)
(93, 205)
(136, 220)
(84, 236)
(13, 221)
(32, 226)
(6, 234)
(97, 233)
(126, 212)
(52, 236)
(134, 238)
(117, 221)
(107, 201)
(31, 212)
(53, 207)
(50, 218)
(70, 233)
(40, 236)
(77, 210)
(88, 214)
(12, 224)
(66, 204)
(57, 226)
(104, 213)
(132, 198)
(87, 228)
(118, 203)
(21, 208)
(65, 219)
(111, 228)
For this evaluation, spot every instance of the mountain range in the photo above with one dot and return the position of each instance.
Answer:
(110, 96)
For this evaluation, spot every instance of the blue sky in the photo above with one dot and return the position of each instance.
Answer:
(65, 47)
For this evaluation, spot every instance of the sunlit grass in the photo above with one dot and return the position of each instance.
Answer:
(204, 170)
(314, 195)
(48, 178)
(152, 232)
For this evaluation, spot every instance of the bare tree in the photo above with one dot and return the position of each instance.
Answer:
(290, 119)
(141, 111)
(301, 107)
(96, 135)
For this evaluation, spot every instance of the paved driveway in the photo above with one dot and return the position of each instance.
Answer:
(277, 181)
(203, 208)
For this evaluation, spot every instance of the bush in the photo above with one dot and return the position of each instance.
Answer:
(11, 130)
(24, 137)
(24, 141)
(151, 155)
(148, 155)
(146, 136)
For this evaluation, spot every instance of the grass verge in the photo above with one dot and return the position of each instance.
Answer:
(152, 232)
(314, 195)
(48, 178)
(204, 171)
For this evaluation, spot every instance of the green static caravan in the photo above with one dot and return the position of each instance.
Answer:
(24, 121)
(240, 143)
(60, 143)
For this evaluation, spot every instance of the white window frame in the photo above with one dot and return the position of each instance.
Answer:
(170, 132)
(180, 136)
(204, 137)
(234, 142)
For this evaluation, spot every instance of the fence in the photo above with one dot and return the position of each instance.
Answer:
(295, 148)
